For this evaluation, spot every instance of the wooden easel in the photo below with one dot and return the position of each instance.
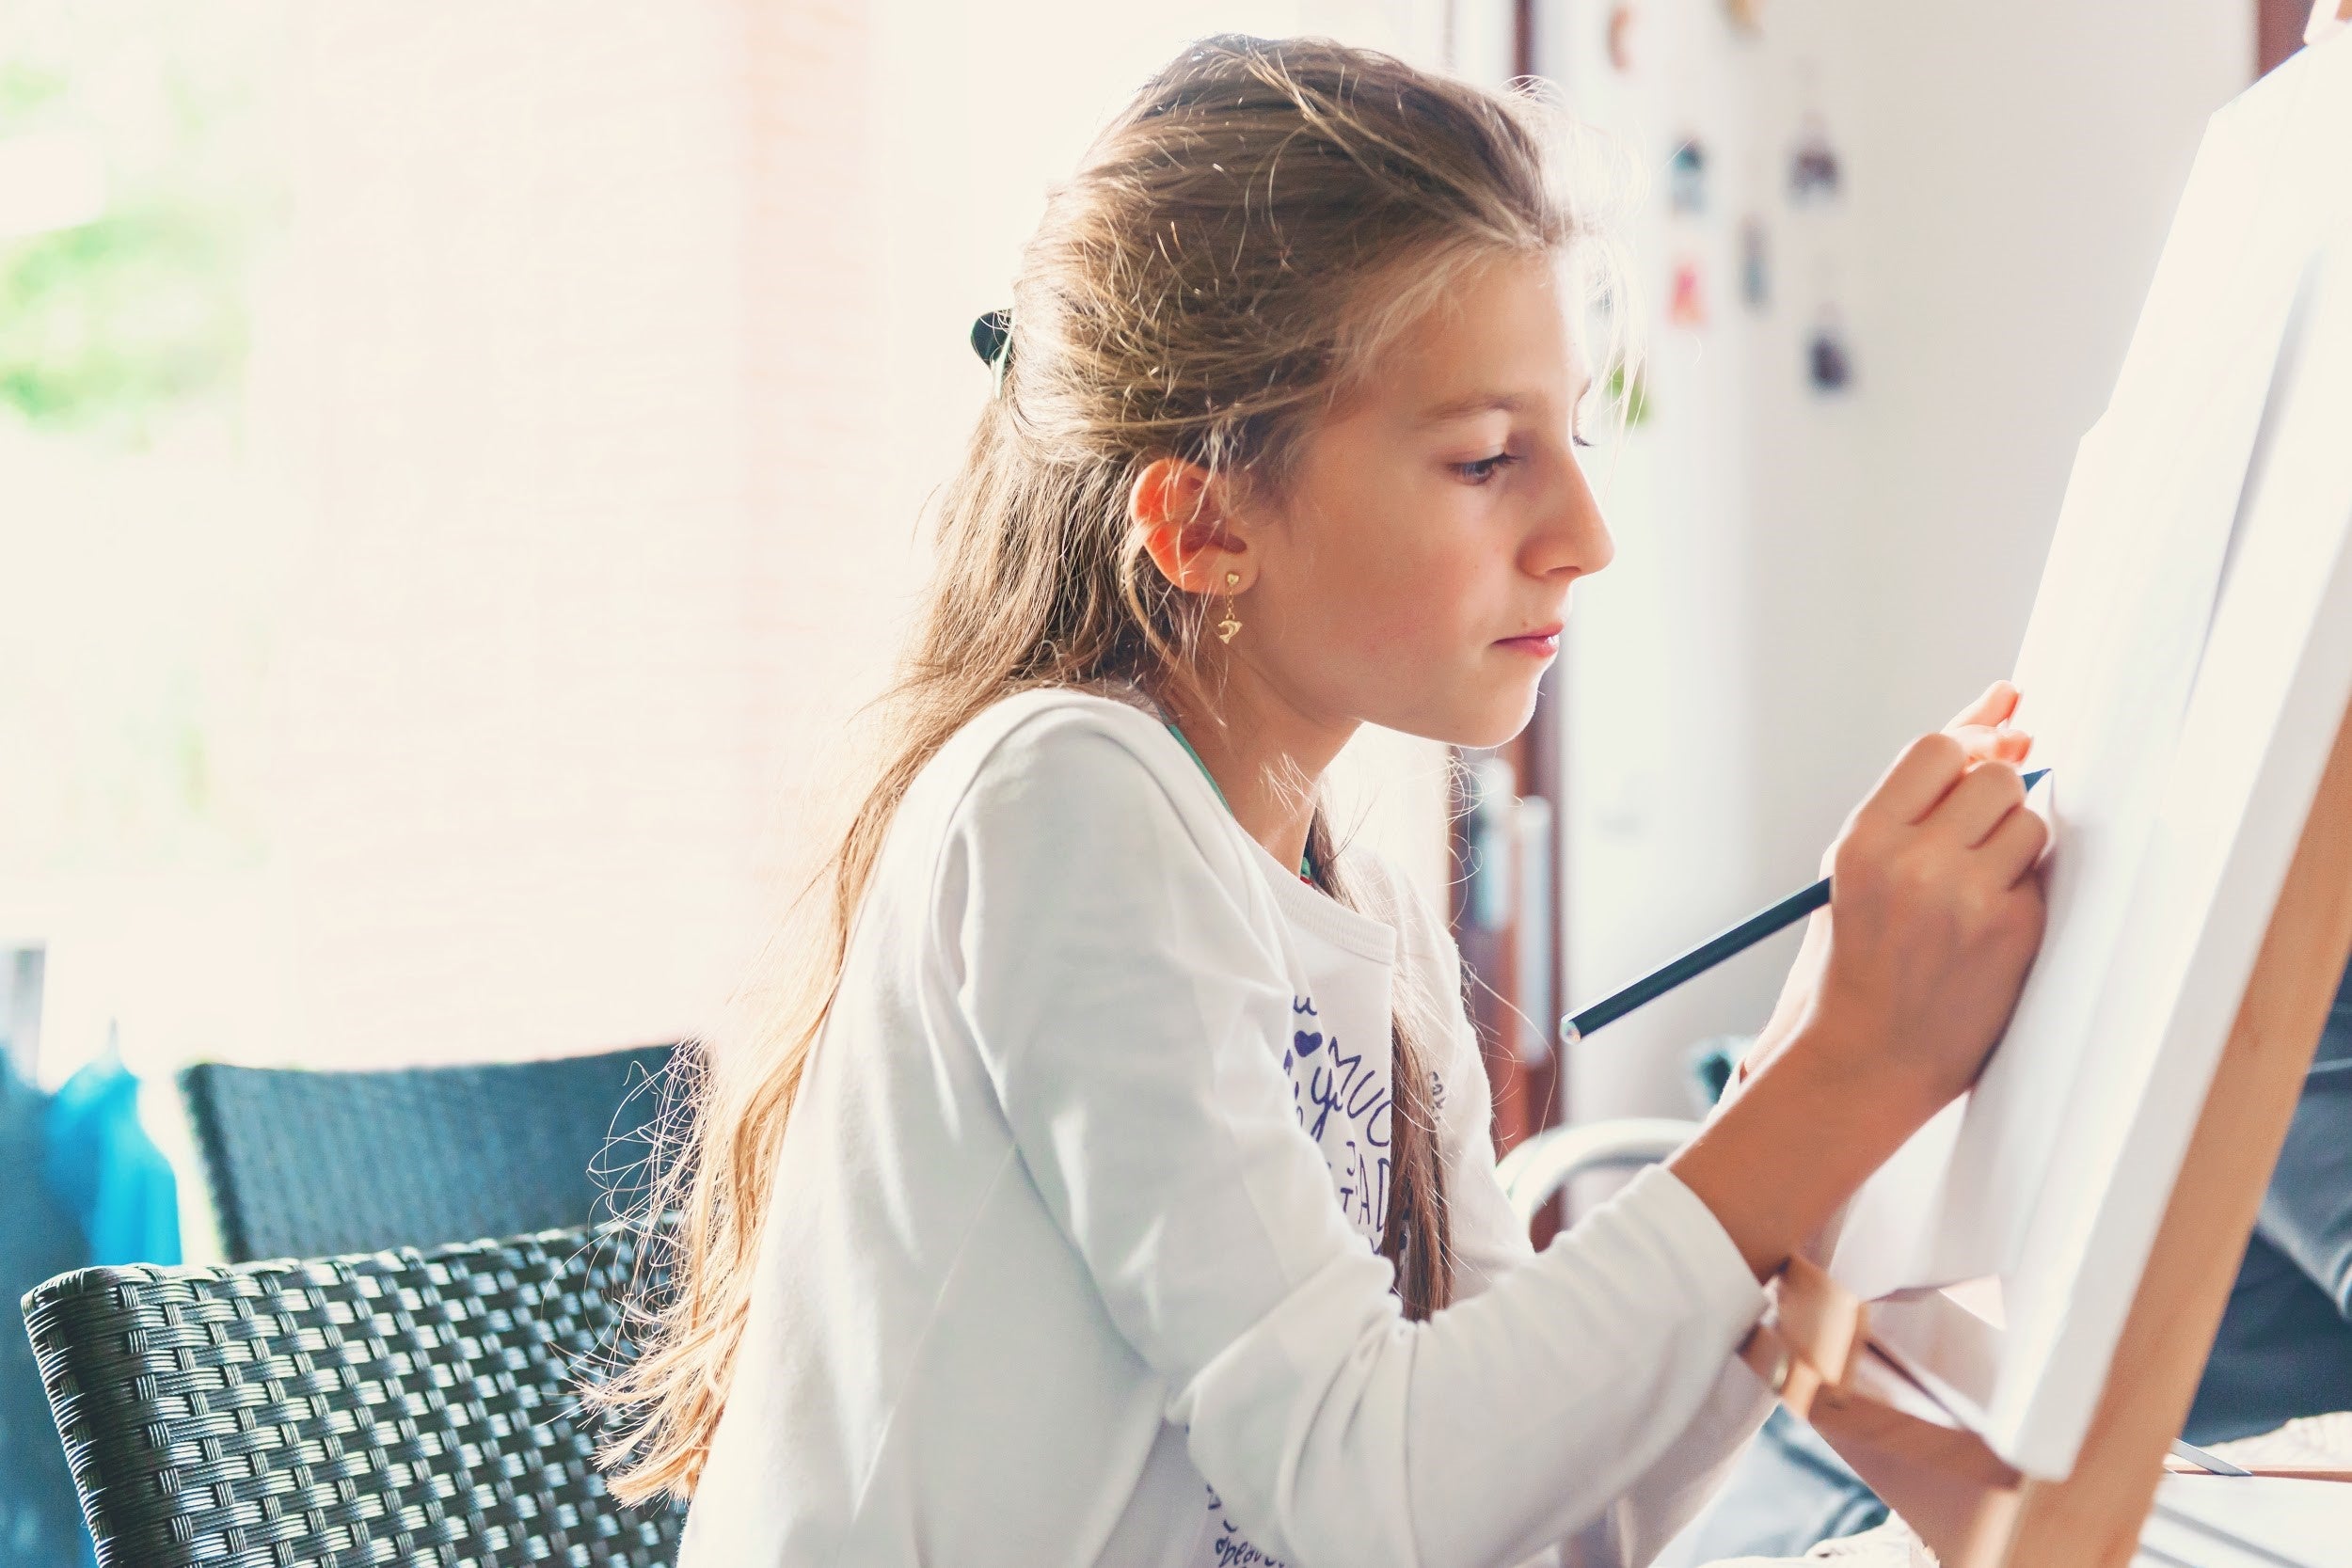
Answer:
(1971, 1508)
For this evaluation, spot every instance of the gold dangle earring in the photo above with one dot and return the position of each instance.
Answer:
(1226, 628)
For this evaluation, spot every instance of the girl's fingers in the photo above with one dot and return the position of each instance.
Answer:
(1925, 771)
(1998, 702)
(1977, 806)
(1993, 743)
(1932, 765)
(2015, 848)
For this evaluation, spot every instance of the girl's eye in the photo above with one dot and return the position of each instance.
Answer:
(1580, 440)
(1484, 468)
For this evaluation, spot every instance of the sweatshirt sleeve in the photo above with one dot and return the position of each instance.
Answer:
(1631, 1528)
(1128, 1014)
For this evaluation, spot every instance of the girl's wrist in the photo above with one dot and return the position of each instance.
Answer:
(1850, 1053)
(1768, 1043)
(1808, 1126)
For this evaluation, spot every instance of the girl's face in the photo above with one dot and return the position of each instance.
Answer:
(1418, 572)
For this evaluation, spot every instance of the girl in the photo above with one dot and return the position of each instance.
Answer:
(1121, 1191)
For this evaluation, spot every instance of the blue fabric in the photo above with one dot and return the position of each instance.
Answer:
(2284, 1350)
(102, 1167)
(40, 1521)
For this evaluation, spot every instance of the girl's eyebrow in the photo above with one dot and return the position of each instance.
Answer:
(1475, 403)
(1488, 402)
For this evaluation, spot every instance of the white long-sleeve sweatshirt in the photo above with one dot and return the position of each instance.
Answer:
(1072, 1253)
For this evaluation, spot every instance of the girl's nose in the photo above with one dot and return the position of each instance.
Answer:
(1572, 537)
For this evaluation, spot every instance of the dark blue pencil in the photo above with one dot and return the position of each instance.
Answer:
(1707, 955)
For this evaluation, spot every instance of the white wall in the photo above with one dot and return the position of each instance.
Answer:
(1805, 583)
(2018, 167)
(472, 689)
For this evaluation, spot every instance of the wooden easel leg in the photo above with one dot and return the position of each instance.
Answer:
(1960, 1495)
(2092, 1519)
(1969, 1523)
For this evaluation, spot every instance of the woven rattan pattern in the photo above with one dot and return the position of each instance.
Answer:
(305, 1164)
(398, 1407)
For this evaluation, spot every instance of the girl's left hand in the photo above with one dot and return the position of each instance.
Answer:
(1983, 731)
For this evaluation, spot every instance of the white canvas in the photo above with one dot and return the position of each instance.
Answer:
(2189, 656)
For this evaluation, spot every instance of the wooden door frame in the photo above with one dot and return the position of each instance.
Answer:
(1528, 1096)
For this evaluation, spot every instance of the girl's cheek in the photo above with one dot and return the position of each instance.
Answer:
(1417, 626)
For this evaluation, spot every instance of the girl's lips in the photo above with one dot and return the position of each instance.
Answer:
(1544, 645)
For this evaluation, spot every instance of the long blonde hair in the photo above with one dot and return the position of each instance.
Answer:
(1232, 252)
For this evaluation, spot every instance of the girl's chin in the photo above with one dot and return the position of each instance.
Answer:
(1497, 722)
(1487, 705)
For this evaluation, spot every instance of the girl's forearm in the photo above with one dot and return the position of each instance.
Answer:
(1802, 1134)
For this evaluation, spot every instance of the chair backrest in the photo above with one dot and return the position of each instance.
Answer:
(402, 1407)
(308, 1164)
(1534, 1172)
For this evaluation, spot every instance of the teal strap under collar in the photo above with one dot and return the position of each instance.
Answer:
(1305, 873)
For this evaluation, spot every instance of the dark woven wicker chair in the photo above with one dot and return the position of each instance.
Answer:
(401, 1408)
(312, 1164)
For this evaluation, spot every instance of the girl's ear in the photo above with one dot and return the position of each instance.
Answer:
(1179, 510)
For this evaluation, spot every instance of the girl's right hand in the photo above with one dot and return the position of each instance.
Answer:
(1935, 916)
(1984, 732)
